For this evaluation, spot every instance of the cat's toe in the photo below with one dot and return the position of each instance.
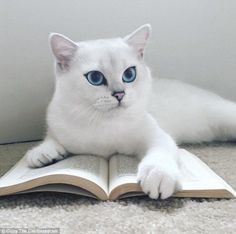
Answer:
(44, 155)
(34, 158)
(158, 182)
(167, 186)
(147, 184)
(31, 160)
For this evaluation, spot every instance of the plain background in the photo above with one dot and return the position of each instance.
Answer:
(192, 40)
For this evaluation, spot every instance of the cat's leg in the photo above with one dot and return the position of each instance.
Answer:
(49, 151)
(158, 171)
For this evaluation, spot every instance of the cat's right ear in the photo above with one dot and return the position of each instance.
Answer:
(63, 50)
(139, 38)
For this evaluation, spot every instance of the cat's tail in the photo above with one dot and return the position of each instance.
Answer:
(222, 117)
(193, 115)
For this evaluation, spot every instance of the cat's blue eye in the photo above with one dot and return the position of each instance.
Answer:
(129, 75)
(96, 78)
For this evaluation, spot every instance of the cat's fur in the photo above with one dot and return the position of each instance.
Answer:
(87, 119)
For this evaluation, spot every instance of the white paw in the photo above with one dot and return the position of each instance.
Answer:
(44, 154)
(158, 179)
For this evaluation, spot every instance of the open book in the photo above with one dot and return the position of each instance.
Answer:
(114, 179)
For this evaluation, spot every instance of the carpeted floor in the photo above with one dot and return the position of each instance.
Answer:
(74, 214)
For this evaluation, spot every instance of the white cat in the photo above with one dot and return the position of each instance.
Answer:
(103, 105)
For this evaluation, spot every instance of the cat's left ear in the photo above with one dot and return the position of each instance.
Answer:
(63, 50)
(138, 39)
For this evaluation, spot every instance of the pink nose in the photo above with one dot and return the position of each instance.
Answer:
(119, 95)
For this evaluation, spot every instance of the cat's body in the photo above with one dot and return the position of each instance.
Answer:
(103, 105)
(201, 117)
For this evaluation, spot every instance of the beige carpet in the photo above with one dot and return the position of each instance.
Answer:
(74, 214)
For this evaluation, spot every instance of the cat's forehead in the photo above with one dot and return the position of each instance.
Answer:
(103, 45)
(105, 53)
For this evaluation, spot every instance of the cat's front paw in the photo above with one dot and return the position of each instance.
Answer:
(158, 180)
(45, 154)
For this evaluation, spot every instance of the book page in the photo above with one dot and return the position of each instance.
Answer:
(197, 179)
(61, 188)
(197, 176)
(89, 167)
(122, 171)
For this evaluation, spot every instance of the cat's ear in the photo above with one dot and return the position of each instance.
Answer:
(63, 49)
(138, 39)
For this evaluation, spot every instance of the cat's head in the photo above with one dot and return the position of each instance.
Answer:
(106, 75)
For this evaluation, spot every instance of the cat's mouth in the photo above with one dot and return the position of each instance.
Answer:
(111, 106)
(120, 105)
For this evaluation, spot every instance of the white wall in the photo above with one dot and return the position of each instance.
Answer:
(192, 40)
